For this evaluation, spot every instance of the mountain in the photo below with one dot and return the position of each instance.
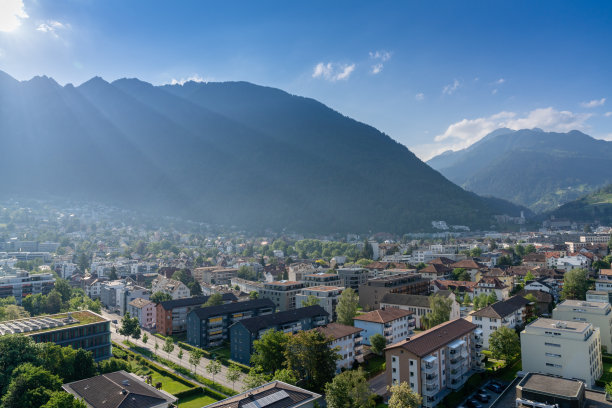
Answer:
(594, 207)
(231, 153)
(537, 169)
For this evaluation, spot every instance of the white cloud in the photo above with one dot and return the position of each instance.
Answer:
(594, 103)
(451, 88)
(52, 27)
(500, 81)
(192, 78)
(420, 96)
(494, 91)
(379, 57)
(608, 114)
(607, 137)
(377, 68)
(11, 14)
(333, 71)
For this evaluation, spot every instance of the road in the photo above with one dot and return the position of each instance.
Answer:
(200, 368)
(378, 384)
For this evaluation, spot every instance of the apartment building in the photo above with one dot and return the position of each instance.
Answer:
(353, 277)
(372, 292)
(394, 324)
(597, 313)
(245, 332)
(21, 284)
(116, 295)
(436, 361)
(171, 315)
(274, 394)
(176, 289)
(245, 285)
(144, 310)
(598, 296)
(297, 271)
(492, 285)
(604, 281)
(419, 305)
(328, 297)
(509, 313)
(215, 275)
(563, 348)
(347, 340)
(282, 293)
(536, 390)
(322, 279)
(209, 326)
(436, 271)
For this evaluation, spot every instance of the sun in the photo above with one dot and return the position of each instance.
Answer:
(12, 12)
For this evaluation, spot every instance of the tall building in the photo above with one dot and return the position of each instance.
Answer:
(328, 297)
(372, 292)
(597, 313)
(347, 341)
(282, 293)
(322, 279)
(562, 348)
(353, 277)
(21, 284)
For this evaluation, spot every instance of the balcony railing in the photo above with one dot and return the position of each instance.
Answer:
(457, 360)
(429, 367)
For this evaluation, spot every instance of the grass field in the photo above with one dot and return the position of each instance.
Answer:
(195, 401)
(374, 366)
(168, 384)
(607, 372)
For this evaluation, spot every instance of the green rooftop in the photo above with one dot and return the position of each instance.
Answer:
(38, 324)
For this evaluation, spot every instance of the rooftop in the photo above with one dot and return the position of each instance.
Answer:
(337, 330)
(206, 312)
(324, 288)
(551, 385)
(503, 308)
(582, 304)
(560, 325)
(33, 325)
(275, 394)
(383, 315)
(193, 301)
(140, 302)
(322, 275)
(257, 323)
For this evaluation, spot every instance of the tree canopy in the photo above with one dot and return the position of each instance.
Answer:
(347, 306)
(504, 343)
(349, 389)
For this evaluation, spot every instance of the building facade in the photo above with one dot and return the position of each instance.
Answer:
(393, 324)
(599, 314)
(322, 279)
(21, 284)
(510, 313)
(353, 277)
(282, 293)
(144, 310)
(348, 342)
(328, 297)
(171, 315)
(419, 304)
(174, 288)
(372, 292)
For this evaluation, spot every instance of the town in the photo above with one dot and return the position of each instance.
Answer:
(105, 305)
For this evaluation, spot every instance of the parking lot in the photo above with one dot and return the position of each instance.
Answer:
(485, 395)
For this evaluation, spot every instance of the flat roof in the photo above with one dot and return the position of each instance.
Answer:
(561, 325)
(582, 303)
(324, 288)
(38, 324)
(551, 385)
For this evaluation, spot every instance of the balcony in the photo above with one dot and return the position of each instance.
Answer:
(430, 390)
(457, 360)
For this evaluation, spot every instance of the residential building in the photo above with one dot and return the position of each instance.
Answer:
(144, 310)
(436, 271)
(21, 284)
(419, 305)
(171, 315)
(83, 329)
(245, 332)
(116, 295)
(118, 390)
(436, 361)
(297, 271)
(328, 297)
(562, 348)
(544, 301)
(597, 313)
(282, 293)
(598, 296)
(246, 286)
(470, 265)
(594, 239)
(547, 285)
(510, 313)
(604, 281)
(492, 285)
(322, 279)
(546, 391)
(347, 340)
(274, 394)
(372, 292)
(176, 289)
(460, 287)
(534, 260)
(216, 276)
(353, 277)
(209, 326)
(393, 324)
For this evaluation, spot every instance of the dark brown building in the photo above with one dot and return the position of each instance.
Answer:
(372, 292)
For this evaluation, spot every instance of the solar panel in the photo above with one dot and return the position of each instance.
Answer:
(267, 400)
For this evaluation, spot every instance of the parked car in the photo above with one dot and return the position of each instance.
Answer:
(482, 397)
(472, 403)
(494, 387)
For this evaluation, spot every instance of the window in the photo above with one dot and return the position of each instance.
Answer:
(411, 362)
(552, 344)
(553, 365)
(553, 355)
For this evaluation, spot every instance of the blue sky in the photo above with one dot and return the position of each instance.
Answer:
(432, 75)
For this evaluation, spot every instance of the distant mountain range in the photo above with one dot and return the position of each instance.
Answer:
(230, 153)
(537, 169)
(594, 207)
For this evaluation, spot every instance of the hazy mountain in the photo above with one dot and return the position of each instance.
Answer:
(594, 207)
(538, 169)
(230, 153)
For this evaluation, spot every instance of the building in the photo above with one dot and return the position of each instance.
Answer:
(116, 295)
(171, 315)
(176, 289)
(562, 348)
(597, 313)
(492, 285)
(216, 276)
(534, 260)
(353, 277)
(462, 288)
(246, 286)
(297, 271)
(436, 271)
(209, 326)
(84, 329)
(322, 279)
(548, 285)
(328, 297)
(543, 301)
(598, 296)
(547, 391)
(144, 310)
(282, 293)
(347, 340)
(274, 394)
(22, 284)
(510, 313)
(594, 239)
(372, 292)
(393, 324)
(436, 361)
(245, 332)
(418, 304)
(118, 390)
(470, 265)
(604, 281)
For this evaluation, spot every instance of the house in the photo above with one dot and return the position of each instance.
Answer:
(487, 286)
(171, 315)
(510, 313)
(563, 348)
(604, 281)
(144, 310)
(209, 326)
(347, 340)
(245, 332)
(328, 297)
(118, 390)
(534, 260)
(599, 314)
(418, 304)
(176, 289)
(371, 293)
(460, 287)
(275, 394)
(547, 285)
(507, 277)
(543, 303)
(393, 324)
(470, 265)
(442, 261)
(436, 271)
(436, 361)
(215, 275)
(297, 271)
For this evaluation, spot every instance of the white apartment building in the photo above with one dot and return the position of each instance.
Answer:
(418, 304)
(328, 297)
(393, 324)
(296, 272)
(595, 238)
(604, 281)
(599, 314)
(322, 279)
(347, 339)
(282, 293)
(176, 289)
(562, 348)
(508, 313)
(492, 285)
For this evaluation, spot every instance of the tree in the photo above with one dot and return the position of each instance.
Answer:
(113, 273)
(64, 289)
(159, 297)
(311, 300)
(349, 389)
(530, 249)
(15, 349)
(529, 277)
(519, 250)
(213, 367)
(145, 338)
(129, 327)
(492, 298)
(368, 251)
(504, 343)
(378, 343)
(215, 299)
(347, 307)
(308, 354)
(168, 346)
(156, 347)
(575, 284)
(61, 399)
(254, 378)
(180, 354)
(402, 396)
(233, 374)
(440, 311)
(194, 288)
(286, 375)
(83, 262)
(466, 299)
(475, 252)
(53, 302)
(421, 265)
(461, 274)
(195, 356)
(530, 297)
(31, 386)
(253, 295)
(269, 350)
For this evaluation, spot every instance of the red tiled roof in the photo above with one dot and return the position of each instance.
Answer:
(383, 315)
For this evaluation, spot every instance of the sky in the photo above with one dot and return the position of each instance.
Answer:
(433, 75)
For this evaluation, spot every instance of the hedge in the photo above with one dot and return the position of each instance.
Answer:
(160, 336)
(244, 368)
(189, 347)
(606, 358)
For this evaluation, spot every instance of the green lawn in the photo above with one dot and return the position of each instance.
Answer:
(221, 352)
(607, 372)
(374, 366)
(168, 384)
(195, 401)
